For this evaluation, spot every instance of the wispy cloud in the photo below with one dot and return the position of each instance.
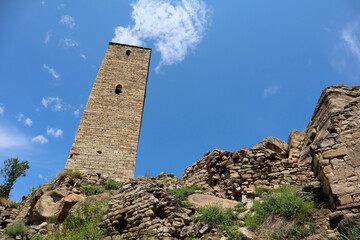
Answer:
(42, 177)
(47, 37)
(51, 71)
(40, 139)
(271, 90)
(21, 118)
(350, 36)
(2, 109)
(76, 113)
(11, 137)
(43, 2)
(68, 21)
(175, 26)
(55, 103)
(56, 133)
(82, 56)
(68, 42)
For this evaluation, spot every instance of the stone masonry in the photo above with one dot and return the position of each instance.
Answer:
(332, 145)
(107, 138)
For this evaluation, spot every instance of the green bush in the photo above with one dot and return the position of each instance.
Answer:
(83, 222)
(112, 185)
(184, 192)
(284, 202)
(19, 228)
(91, 189)
(226, 220)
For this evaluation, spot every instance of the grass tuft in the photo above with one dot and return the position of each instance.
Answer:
(91, 189)
(112, 184)
(19, 228)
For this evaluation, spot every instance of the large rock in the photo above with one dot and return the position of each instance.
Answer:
(207, 200)
(272, 144)
(55, 203)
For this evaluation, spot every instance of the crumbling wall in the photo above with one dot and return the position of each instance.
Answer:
(332, 145)
(234, 175)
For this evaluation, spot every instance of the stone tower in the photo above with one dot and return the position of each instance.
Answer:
(107, 138)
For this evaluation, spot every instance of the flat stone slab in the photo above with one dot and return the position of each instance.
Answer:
(207, 200)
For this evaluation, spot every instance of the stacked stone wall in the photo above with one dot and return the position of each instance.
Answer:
(235, 175)
(332, 145)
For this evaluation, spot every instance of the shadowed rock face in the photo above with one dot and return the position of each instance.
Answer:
(332, 145)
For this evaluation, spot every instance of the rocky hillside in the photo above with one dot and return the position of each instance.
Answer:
(224, 195)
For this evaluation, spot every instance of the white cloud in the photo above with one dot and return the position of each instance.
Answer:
(42, 177)
(68, 42)
(51, 71)
(11, 137)
(175, 26)
(47, 37)
(26, 121)
(2, 109)
(350, 37)
(54, 132)
(20, 117)
(68, 21)
(83, 56)
(56, 103)
(271, 90)
(43, 2)
(76, 113)
(40, 139)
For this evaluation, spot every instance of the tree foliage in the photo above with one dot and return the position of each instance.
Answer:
(12, 170)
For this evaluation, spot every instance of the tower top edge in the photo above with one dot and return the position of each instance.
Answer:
(127, 45)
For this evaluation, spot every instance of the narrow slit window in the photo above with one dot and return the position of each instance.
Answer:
(118, 89)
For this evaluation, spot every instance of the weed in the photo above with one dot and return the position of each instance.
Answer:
(226, 220)
(83, 222)
(91, 189)
(259, 191)
(286, 203)
(112, 185)
(33, 188)
(69, 172)
(19, 228)
(8, 203)
(38, 237)
(184, 192)
(351, 232)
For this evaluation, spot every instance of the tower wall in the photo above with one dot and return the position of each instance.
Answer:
(107, 138)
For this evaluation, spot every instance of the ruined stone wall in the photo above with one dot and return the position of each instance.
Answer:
(332, 145)
(107, 138)
(234, 175)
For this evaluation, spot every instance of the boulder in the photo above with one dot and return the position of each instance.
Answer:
(207, 200)
(54, 203)
(272, 145)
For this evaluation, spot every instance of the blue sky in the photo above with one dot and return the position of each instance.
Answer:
(222, 74)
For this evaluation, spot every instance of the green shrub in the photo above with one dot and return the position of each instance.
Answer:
(259, 190)
(284, 202)
(19, 228)
(91, 189)
(351, 232)
(226, 220)
(83, 222)
(112, 185)
(69, 172)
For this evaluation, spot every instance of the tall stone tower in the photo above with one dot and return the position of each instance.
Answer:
(107, 138)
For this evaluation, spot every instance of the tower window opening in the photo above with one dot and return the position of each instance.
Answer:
(118, 89)
(128, 52)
